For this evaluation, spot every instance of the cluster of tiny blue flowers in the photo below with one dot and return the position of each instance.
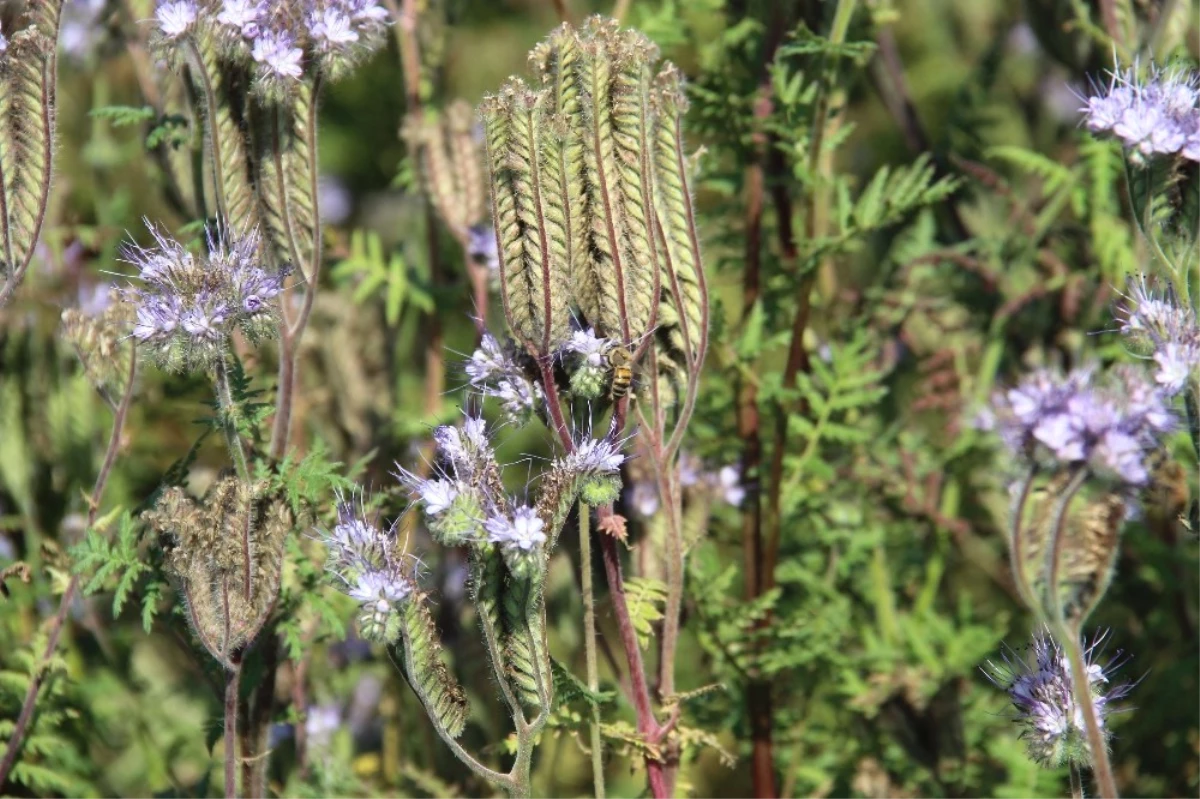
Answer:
(493, 373)
(1158, 116)
(368, 566)
(1076, 420)
(1157, 324)
(279, 39)
(187, 306)
(1044, 704)
(465, 503)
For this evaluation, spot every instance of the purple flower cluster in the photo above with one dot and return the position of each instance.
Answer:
(187, 307)
(1075, 420)
(367, 564)
(1157, 116)
(279, 39)
(464, 499)
(1044, 703)
(481, 246)
(1157, 324)
(493, 373)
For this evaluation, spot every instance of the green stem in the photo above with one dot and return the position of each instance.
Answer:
(228, 411)
(589, 643)
(1016, 542)
(1081, 686)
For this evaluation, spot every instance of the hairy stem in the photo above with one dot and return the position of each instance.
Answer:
(228, 411)
(1076, 782)
(291, 333)
(1017, 540)
(646, 723)
(233, 676)
(1081, 686)
(589, 644)
(1057, 542)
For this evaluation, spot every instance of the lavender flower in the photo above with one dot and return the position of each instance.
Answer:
(277, 55)
(1156, 323)
(80, 28)
(589, 346)
(643, 498)
(729, 482)
(595, 456)
(187, 307)
(320, 723)
(1155, 116)
(3, 41)
(522, 533)
(1110, 427)
(494, 373)
(175, 18)
(487, 363)
(1044, 704)
(438, 495)
(481, 246)
(242, 16)
(367, 565)
(331, 29)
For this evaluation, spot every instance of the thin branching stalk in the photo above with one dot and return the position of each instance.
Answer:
(68, 597)
(1017, 540)
(589, 644)
(292, 331)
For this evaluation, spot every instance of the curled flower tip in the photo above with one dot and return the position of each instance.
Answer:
(1044, 703)
(175, 18)
(523, 532)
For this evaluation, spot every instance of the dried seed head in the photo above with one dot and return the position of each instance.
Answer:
(227, 553)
